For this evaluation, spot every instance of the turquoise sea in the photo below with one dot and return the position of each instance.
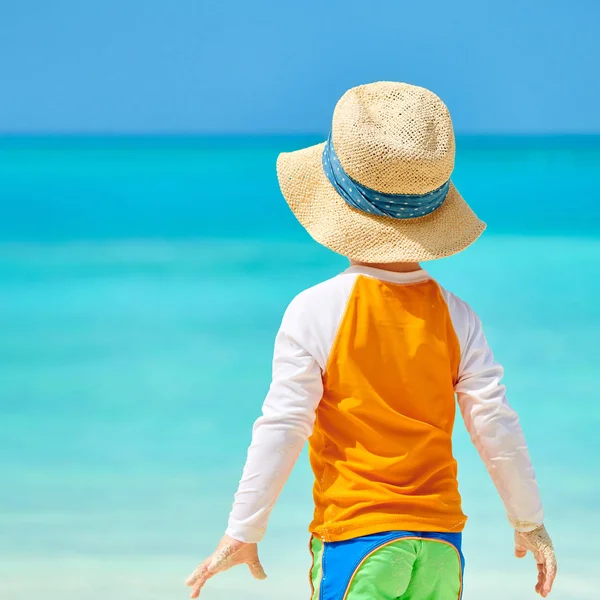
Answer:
(142, 281)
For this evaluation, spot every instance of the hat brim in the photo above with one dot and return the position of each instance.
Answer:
(368, 238)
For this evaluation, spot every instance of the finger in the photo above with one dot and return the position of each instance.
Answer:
(196, 573)
(256, 569)
(200, 583)
(540, 579)
(550, 570)
(520, 551)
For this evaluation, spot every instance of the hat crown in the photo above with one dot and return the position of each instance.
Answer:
(393, 137)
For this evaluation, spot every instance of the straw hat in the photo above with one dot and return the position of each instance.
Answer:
(379, 190)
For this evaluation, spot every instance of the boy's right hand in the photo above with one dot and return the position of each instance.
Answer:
(538, 542)
(229, 553)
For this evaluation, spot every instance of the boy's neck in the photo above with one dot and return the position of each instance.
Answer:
(397, 267)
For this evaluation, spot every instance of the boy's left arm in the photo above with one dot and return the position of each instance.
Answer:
(277, 440)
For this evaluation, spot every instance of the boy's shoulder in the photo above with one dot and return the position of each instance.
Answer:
(453, 301)
(313, 316)
(330, 293)
(464, 319)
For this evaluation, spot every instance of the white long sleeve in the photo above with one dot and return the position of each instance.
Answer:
(491, 422)
(280, 433)
(302, 348)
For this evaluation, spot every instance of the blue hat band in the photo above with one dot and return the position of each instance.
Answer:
(396, 206)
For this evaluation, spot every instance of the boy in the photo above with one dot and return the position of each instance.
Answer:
(368, 364)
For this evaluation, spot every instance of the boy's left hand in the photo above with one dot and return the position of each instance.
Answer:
(539, 543)
(229, 553)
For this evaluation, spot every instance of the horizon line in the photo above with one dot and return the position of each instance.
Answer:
(258, 135)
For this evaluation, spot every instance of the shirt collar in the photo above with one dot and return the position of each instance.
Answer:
(391, 276)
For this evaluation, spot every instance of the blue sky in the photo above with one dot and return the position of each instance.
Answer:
(259, 66)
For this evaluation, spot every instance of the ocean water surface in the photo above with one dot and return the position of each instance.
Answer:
(141, 285)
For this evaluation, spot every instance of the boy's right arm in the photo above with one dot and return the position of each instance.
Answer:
(496, 432)
(278, 437)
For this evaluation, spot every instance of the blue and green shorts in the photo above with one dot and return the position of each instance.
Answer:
(395, 565)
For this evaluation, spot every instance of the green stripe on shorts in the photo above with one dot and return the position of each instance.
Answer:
(316, 572)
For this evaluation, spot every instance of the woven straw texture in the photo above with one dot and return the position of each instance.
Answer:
(394, 138)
